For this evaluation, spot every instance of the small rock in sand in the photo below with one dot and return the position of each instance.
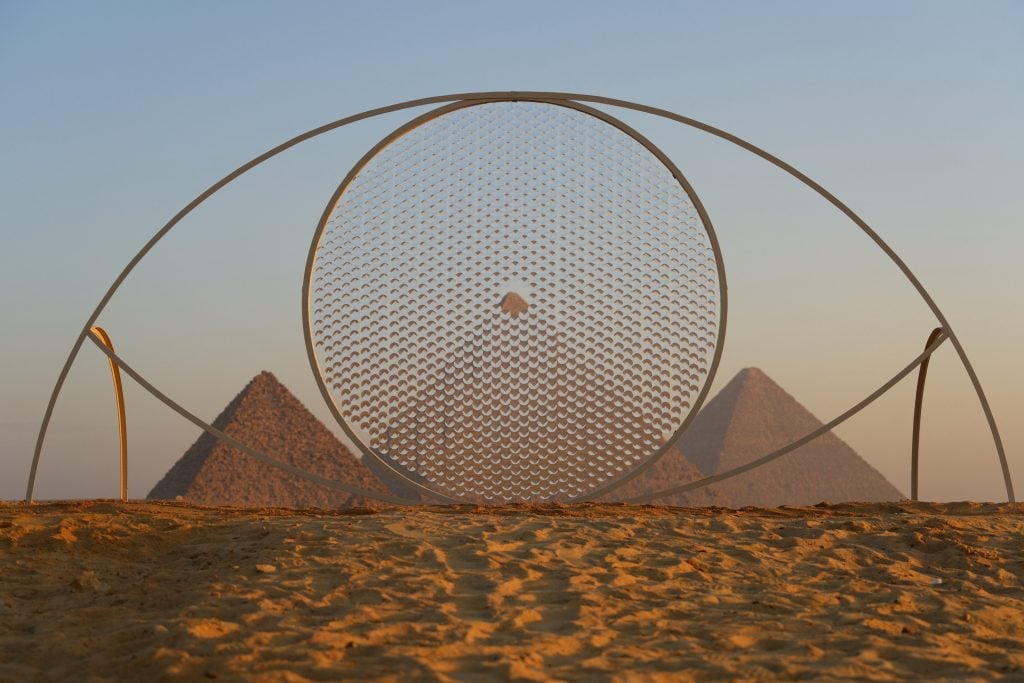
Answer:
(265, 569)
(88, 580)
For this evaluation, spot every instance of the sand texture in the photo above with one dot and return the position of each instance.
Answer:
(163, 591)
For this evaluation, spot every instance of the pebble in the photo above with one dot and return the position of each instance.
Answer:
(88, 580)
(265, 569)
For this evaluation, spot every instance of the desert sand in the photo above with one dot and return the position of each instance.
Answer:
(164, 591)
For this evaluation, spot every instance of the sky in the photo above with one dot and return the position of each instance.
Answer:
(115, 115)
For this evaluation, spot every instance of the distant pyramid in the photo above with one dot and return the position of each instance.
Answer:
(753, 416)
(267, 417)
(398, 487)
(524, 417)
(671, 469)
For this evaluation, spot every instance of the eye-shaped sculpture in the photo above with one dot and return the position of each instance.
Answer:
(516, 297)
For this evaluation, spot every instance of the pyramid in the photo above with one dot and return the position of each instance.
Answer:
(267, 417)
(395, 484)
(671, 469)
(521, 417)
(753, 416)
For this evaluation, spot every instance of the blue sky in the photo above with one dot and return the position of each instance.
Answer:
(116, 114)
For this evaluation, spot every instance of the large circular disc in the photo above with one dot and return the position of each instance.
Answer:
(514, 301)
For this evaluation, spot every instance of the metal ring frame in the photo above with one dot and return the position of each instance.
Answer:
(553, 97)
(440, 111)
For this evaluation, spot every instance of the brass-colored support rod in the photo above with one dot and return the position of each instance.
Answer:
(915, 442)
(122, 421)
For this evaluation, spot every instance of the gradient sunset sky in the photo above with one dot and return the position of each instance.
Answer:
(115, 115)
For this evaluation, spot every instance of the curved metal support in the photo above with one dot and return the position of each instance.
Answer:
(915, 441)
(122, 422)
(729, 474)
(116, 360)
(990, 417)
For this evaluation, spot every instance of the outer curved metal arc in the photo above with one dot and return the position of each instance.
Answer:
(440, 111)
(209, 192)
(915, 442)
(122, 422)
(990, 417)
(753, 464)
(117, 361)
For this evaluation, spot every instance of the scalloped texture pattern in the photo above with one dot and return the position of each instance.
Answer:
(514, 301)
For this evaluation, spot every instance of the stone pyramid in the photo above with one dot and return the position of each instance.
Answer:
(753, 416)
(266, 416)
(671, 469)
(522, 417)
(396, 485)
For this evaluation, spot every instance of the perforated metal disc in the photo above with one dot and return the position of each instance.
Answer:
(513, 301)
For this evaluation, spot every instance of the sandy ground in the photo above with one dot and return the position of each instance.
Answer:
(141, 591)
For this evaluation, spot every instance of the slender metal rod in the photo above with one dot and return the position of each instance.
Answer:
(915, 440)
(218, 434)
(122, 421)
(728, 474)
(982, 398)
